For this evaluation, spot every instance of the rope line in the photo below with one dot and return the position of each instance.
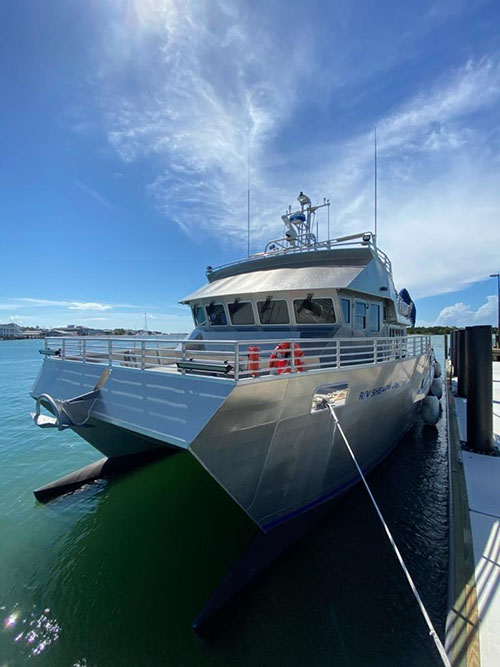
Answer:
(432, 631)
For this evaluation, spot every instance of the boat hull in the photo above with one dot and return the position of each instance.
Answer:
(277, 459)
(257, 437)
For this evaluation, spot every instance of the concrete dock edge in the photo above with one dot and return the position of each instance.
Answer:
(462, 622)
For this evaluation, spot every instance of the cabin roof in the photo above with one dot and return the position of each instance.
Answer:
(279, 280)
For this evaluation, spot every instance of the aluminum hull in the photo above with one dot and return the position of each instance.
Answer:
(257, 438)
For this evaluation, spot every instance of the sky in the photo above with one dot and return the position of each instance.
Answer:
(127, 127)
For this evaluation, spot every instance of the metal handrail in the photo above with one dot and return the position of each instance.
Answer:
(280, 249)
(202, 357)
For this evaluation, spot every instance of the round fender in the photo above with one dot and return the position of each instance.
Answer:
(436, 388)
(430, 410)
(437, 369)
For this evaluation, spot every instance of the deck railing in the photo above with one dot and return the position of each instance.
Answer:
(281, 246)
(235, 359)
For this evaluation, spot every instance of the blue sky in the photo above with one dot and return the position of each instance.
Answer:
(124, 147)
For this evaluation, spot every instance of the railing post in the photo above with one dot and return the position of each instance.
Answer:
(143, 350)
(236, 361)
(375, 351)
(63, 348)
(183, 356)
(292, 344)
(337, 353)
(84, 350)
(110, 352)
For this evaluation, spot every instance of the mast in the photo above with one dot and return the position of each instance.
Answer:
(375, 188)
(248, 195)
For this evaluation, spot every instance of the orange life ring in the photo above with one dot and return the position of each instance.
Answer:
(281, 357)
(253, 360)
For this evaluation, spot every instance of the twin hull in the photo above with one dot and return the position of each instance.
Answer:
(256, 437)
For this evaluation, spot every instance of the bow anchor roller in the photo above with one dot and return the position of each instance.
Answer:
(71, 411)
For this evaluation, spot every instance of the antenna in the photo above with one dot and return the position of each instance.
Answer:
(146, 322)
(248, 195)
(328, 221)
(375, 184)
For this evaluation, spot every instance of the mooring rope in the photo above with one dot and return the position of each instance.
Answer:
(432, 631)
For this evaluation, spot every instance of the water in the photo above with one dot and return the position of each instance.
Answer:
(114, 574)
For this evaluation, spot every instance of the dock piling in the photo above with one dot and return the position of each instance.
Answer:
(479, 392)
(461, 368)
(454, 353)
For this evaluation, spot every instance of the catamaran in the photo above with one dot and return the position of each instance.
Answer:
(279, 338)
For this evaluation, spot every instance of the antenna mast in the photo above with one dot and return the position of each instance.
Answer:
(328, 239)
(248, 195)
(146, 322)
(375, 190)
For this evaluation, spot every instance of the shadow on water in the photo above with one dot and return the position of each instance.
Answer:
(124, 566)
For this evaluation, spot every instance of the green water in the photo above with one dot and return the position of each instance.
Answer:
(115, 573)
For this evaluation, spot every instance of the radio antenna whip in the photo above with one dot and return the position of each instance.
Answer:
(375, 189)
(248, 195)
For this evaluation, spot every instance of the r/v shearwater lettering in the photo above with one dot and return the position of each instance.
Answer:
(379, 390)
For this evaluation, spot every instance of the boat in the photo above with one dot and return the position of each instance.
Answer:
(279, 339)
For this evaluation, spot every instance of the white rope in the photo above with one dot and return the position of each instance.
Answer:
(432, 631)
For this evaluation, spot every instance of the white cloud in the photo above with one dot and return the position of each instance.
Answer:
(89, 305)
(461, 315)
(22, 319)
(72, 305)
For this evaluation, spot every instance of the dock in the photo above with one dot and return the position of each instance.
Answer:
(473, 622)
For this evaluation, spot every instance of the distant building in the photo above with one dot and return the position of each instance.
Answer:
(74, 330)
(10, 330)
(33, 333)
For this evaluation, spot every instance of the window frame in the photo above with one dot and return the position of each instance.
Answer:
(274, 324)
(202, 308)
(219, 303)
(241, 303)
(365, 316)
(370, 306)
(314, 324)
(345, 299)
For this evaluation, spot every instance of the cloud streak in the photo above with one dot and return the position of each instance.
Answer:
(71, 305)
(95, 195)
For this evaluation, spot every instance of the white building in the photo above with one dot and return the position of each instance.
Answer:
(10, 330)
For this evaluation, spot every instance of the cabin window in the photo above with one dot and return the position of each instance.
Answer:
(199, 315)
(241, 313)
(273, 312)
(360, 315)
(216, 314)
(374, 317)
(314, 311)
(346, 310)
